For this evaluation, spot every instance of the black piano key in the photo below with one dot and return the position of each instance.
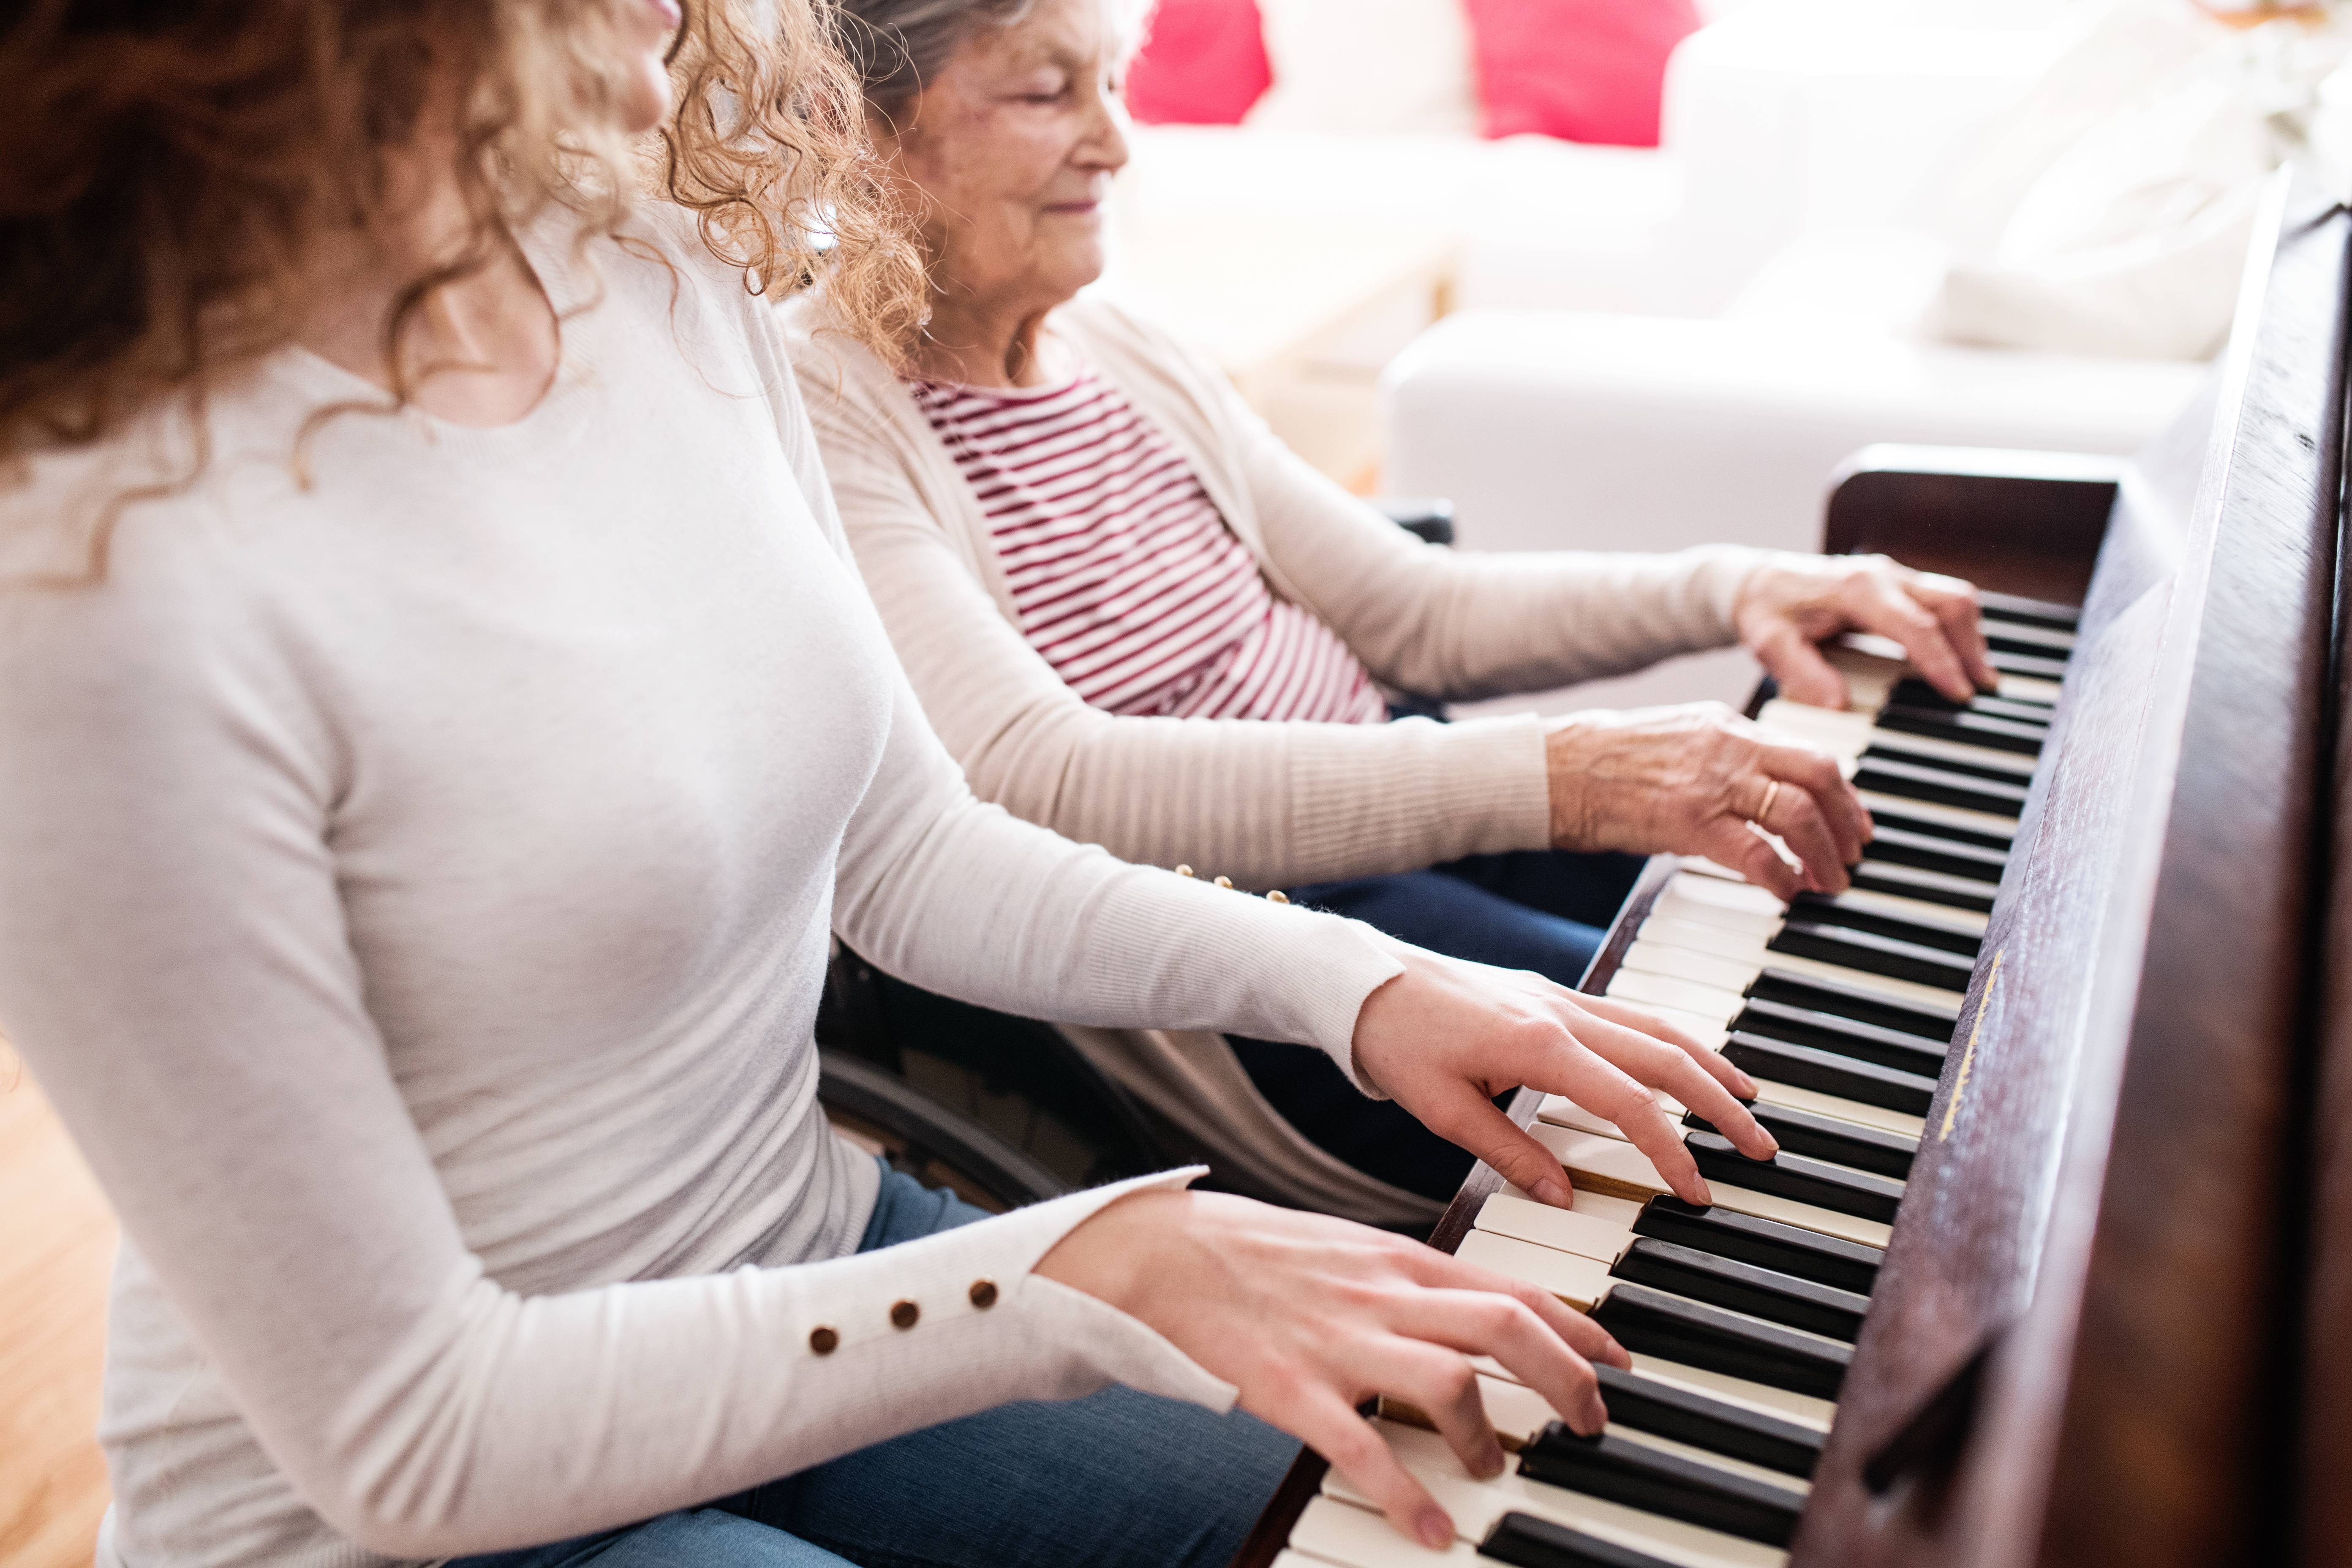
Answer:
(1873, 1149)
(2031, 612)
(2022, 637)
(1688, 1416)
(1525, 1541)
(1913, 692)
(1622, 1470)
(1946, 836)
(1931, 887)
(1786, 1248)
(1743, 1288)
(2036, 666)
(1965, 729)
(1918, 780)
(1838, 909)
(1802, 1067)
(1873, 955)
(1924, 1019)
(1890, 748)
(1649, 1321)
(1800, 1178)
(1846, 1036)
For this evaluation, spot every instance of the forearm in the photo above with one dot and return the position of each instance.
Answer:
(500, 1420)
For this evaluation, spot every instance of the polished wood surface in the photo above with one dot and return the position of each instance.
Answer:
(57, 1243)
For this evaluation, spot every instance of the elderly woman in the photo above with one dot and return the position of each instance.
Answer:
(1135, 617)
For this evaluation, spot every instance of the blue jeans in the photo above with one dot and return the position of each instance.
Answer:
(1118, 1480)
(1540, 910)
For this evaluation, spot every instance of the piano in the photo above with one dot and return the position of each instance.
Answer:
(2051, 1268)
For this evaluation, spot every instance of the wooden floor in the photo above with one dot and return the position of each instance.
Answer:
(57, 1242)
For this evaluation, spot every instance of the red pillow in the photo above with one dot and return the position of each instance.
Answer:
(1204, 63)
(1588, 70)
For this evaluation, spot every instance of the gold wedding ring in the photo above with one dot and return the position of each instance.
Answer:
(1764, 812)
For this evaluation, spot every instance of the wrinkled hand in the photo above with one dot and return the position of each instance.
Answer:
(1788, 607)
(1689, 780)
(1309, 1317)
(1447, 1036)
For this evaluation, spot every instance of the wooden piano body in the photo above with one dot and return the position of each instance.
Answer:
(2112, 1324)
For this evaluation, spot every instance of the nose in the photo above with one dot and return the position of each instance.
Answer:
(1104, 147)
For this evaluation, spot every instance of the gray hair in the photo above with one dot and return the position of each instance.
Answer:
(897, 45)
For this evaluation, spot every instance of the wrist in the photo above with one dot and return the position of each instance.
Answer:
(1108, 1255)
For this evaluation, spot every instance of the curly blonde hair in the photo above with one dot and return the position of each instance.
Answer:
(168, 169)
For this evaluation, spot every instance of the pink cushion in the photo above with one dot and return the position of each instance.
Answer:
(1204, 63)
(1588, 70)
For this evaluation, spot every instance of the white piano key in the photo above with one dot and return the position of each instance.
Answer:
(1934, 997)
(1644, 988)
(1735, 975)
(1558, 1111)
(1842, 734)
(1694, 936)
(1476, 1505)
(1516, 1412)
(1561, 1111)
(1729, 894)
(1340, 1533)
(1795, 1099)
(1931, 749)
(1708, 1032)
(1620, 1170)
(1918, 912)
(2029, 688)
(1672, 904)
(1945, 879)
(1583, 1282)
(1802, 1408)
(1563, 1230)
(1936, 812)
(1814, 1412)
(1727, 975)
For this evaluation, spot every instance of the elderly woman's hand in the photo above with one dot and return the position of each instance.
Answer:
(1788, 607)
(1690, 780)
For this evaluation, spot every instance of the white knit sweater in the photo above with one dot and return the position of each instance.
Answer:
(1268, 804)
(415, 888)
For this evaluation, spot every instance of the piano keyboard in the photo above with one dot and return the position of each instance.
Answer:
(1741, 1318)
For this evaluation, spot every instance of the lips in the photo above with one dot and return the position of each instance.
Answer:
(668, 10)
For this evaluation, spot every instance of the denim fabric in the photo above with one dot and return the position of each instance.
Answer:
(1539, 909)
(1119, 1479)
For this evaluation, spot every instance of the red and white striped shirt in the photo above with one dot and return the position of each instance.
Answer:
(1123, 573)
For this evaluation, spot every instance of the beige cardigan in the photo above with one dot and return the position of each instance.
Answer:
(1269, 804)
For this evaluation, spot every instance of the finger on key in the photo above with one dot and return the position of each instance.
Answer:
(1955, 604)
(1655, 1063)
(1887, 608)
(1840, 805)
(1647, 1127)
(1520, 1333)
(1330, 1427)
(1732, 843)
(1444, 1385)
(1797, 821)
(1470, 1120)
(1715, 1064)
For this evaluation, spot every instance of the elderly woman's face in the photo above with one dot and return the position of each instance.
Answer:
(1014, 145)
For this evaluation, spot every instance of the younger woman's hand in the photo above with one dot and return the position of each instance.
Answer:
(1309, 1317)
(1447, 1036)
(1691, 781)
